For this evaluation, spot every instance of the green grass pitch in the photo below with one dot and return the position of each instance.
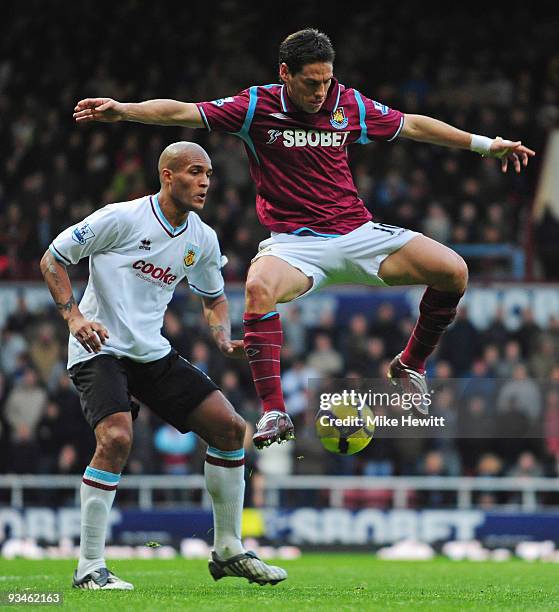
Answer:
(316, 582)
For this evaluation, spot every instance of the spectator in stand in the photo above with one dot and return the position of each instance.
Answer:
(20, 319)
(44, 351)
(295, 331)
(490, 465)
(511, 359)
(491, 357)
(25, 449)
(324, 358)
(24, 405)
(468, 219)
(554, 374)
(231, 387)
(295, 384)
(526, 466)
(12, 348)
(476, 429)
(50, 437)
(497, 333)
(516, 432)
(445, 404)
(69, 461)
(523, 392)
(200, 356)
(376, 354)
(542, 360)
(326, 325)
(437, 224)
(433, 465)
(353, 344)
(387, 327)
(528, 333)
(463, 334)
(443, 370)
(480, 383)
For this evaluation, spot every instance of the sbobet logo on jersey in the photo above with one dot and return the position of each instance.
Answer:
(147, 269)
(313, 138)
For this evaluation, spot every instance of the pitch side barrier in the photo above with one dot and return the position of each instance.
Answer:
(19, 491)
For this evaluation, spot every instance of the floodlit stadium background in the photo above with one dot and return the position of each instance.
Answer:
(52, 173)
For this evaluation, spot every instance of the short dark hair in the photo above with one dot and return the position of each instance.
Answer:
(305, 47)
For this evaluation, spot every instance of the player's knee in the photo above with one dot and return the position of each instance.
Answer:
(459, 274)
(453, 275)
(238, 430)
(259, 294)
(232, 435)
(115, 441)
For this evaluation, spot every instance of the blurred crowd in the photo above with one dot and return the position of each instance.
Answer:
(53, 172)
(508, 423)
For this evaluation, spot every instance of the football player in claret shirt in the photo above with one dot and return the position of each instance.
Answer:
(138, 253)
(296, 135)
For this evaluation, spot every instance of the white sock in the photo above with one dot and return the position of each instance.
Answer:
(98, 490)
(225, 481)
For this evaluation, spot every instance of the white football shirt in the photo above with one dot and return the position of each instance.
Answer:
(136, 259)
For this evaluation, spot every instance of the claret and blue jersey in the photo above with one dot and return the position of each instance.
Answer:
(298, 160)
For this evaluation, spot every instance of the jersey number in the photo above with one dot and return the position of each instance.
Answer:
(384, 227)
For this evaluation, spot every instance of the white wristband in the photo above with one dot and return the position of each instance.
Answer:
(481, 144)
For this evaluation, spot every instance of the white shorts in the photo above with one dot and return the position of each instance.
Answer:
(353, 258)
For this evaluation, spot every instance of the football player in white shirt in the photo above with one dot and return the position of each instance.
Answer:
(138, 252)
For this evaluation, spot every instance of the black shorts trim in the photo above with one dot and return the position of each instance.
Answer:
(171, 387)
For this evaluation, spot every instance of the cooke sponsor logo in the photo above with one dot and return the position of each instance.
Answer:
(160, 274)
(314, 138)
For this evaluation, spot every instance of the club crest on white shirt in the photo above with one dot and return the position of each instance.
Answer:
(191, 254)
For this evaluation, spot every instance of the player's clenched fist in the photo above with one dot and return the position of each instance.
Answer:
(98, 109)
(89, 334)
(233, 348)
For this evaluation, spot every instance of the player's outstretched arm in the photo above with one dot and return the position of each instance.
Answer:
(216, 311)
(427, 129)
(155, 112)
(89, 334)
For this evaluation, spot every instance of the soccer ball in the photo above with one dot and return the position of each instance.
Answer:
(345, 429)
